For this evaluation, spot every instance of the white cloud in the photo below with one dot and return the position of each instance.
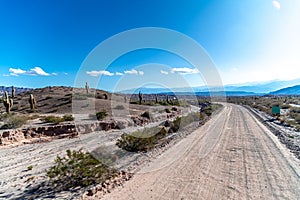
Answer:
(37, 71)
(276, 4)
(185, 70)
(54, 74)
(141, 73)
(98, 73)
(34, 72)
(16, 72)
(164, 72)
(119, 73)
(135, 72)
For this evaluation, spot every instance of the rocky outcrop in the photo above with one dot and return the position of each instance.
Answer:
(56, 132)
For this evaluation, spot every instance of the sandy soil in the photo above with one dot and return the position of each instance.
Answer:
(233, 156)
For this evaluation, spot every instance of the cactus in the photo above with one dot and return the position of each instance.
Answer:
(168, 99)
(32, 102)
(87, 87)
(140, 97)
(8, 103)
(156, 100)
(5, 95)
(13, 92)
(125, 99)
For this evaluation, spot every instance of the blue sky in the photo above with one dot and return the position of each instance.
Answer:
(45, 42)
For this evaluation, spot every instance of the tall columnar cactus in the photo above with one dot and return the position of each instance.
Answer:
(168, 99)
(140, 97)
(125, 99)
(13, 92)
(87, 88)
(156, 100)
(8, 103)
(32, 102)
(5, 95)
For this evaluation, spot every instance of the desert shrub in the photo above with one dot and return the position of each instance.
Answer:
(12, 121)
(101, 115)
(142, 140)
(285, 106)
(146, 114)
(174, 109)
(78, 169)
(30, 167)
(175, 125)
(52, 119)
(68, 118)
(120, 107)
(168, 110)
(208, 110)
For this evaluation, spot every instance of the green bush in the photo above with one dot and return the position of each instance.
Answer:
(101, 115)
(56, 119)
(142, 140)
(52, 119)
(78, 169)
(12, 121)
(68, 118)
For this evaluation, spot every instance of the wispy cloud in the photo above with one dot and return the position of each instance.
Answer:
(184, 70)
(36, 71)
(119, 74)
(135, 72)
(164, 72)
(276, 4)
(98, 73)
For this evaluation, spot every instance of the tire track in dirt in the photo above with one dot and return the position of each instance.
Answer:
(244, 164)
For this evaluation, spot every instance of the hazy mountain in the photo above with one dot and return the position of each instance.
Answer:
(17, 90)
(295, 90)
(257, 88)
(263, 87)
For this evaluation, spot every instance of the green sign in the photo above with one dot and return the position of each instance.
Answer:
(276, 110)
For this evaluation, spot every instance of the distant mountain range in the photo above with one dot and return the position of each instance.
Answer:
(17, 90)
(275, 87)
(247, 89)
(295, 90)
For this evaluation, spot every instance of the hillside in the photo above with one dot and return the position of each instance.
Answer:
(294, 90)
(56, 99)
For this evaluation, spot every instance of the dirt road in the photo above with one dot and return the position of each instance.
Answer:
(233, 156)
